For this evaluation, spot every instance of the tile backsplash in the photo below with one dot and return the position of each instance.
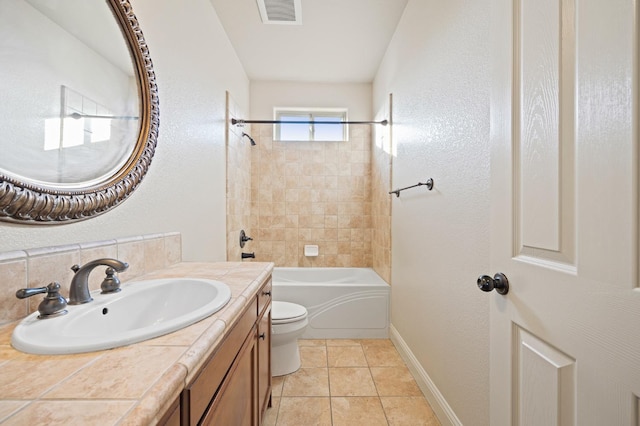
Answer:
(38, 267)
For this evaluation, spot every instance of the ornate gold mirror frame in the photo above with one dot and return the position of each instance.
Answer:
(28, 203)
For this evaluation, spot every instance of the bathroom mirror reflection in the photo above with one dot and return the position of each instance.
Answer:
(65, 69)
(79, 109)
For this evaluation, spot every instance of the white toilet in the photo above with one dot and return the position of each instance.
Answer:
(288, 322)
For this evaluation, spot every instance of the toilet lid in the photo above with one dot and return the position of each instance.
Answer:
(284, 312)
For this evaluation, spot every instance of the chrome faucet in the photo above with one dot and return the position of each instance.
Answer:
(79, 289)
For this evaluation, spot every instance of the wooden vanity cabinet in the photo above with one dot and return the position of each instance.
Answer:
(172, 416)
(235, 401)
(234, 386)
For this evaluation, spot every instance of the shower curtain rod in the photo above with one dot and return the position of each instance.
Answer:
(241, 122)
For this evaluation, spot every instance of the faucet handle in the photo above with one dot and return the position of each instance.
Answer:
(53, 304)
(244, 238)
(23, 293)
(111, 283)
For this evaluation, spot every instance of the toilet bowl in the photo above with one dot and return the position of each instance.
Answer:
(288, 322)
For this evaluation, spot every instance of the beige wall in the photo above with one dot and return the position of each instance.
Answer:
(312, 192)
(184, 190)
(437, 67)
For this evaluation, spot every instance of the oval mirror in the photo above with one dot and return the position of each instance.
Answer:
(79, 113)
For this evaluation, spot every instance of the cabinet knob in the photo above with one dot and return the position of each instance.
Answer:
(263, 336)
(266, 293)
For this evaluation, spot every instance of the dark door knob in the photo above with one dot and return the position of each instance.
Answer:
(499, 282)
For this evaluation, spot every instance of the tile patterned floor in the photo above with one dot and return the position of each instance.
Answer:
(351, 383)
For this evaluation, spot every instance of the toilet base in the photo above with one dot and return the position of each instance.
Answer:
(285, 359)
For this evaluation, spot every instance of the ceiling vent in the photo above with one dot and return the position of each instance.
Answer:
(283, 12)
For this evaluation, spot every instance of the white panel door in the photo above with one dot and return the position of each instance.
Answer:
(565, 339)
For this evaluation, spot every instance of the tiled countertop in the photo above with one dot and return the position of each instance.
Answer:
(132, 385)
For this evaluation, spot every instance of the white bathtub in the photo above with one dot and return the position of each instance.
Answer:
(351, 303)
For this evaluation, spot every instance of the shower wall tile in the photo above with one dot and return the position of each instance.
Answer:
(239, 184)
(380, 213)
(312, 193)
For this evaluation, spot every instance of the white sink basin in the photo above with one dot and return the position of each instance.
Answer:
(141, 311)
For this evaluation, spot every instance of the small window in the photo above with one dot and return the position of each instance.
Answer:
(315, 125)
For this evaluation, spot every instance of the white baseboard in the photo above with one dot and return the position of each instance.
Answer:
(439, 405)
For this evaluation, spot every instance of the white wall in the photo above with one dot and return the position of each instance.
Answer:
(185, 188)
(437, 67)
(268, 94)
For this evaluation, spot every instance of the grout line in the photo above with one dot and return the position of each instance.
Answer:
(331, 410)
(278, 411)
(375, 386)
(326, 352)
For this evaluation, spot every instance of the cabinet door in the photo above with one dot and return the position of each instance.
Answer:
(235, 403)
(264, 362)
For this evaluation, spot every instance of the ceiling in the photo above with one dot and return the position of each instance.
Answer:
(338, 41)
